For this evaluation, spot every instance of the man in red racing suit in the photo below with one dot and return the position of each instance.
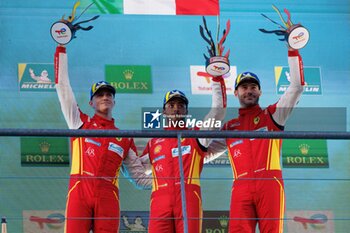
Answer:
(165, 207)
(93, 196)
(258, 190)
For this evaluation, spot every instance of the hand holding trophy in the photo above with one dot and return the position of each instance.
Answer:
(295, 35)
(217, 64)
(63, 31)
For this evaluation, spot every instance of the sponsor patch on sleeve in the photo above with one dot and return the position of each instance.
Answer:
(184, 150)
(116, 148)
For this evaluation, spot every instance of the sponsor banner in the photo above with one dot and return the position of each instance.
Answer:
(129, 79)
(43, 221)
(44, 151)
(36, 77)
(215, 221)
(312, 77)
(310, 221)
(137, 221)
(305, 153)
(201, 80)
(134, 221)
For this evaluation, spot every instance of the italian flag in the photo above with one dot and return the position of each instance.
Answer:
(154, 7)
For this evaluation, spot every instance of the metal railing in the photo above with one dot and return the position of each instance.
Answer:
(173, 133)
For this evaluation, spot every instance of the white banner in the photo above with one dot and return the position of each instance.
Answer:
(43, 221)
(201, 80)
(308, 221)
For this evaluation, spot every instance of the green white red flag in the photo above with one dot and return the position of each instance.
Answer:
(154, 7)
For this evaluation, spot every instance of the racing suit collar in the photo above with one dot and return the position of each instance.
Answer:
(250, 110)
(103, 121)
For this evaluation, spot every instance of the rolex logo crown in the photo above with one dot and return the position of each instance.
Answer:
(128, 74)
(223, 221)
(44, 147)
(304, 148)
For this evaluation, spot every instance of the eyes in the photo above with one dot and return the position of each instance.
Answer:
(249, 86)
(172, 105)
(104, 93)
(176, 105)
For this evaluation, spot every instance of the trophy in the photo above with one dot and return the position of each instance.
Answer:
(295, 35)
(217, 64)
(63, 31)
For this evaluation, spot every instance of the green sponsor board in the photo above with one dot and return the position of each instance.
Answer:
(215, 221)
(302, 153)
(40, 151)
(129, 79)
(36, 77)
(312, 76)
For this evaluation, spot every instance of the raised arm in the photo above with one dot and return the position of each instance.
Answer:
(218, 107)
(293, 93)
(217, 65)
(65, 93)
(216, 147)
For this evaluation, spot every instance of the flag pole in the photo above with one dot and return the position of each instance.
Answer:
(3, 225)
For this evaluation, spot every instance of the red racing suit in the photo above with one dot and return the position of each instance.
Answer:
(258, 190)
(165, 207)
(166, 191)
(93, 196)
